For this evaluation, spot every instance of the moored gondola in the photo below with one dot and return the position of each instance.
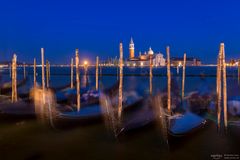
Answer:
(6, 88)
(176, 124)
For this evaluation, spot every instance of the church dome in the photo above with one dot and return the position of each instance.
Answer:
(150, 52)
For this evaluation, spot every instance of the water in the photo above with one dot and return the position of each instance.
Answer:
(30, 139)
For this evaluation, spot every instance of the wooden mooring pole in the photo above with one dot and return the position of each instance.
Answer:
(77, 79)
(168, 79)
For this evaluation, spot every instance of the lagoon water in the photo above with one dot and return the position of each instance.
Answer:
(28, 139)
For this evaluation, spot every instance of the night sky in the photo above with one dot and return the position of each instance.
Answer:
(97, 26)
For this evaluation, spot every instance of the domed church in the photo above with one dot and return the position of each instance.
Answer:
(144, 59)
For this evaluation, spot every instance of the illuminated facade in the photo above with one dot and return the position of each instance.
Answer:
(143, 59)
(159, 60)
(190, 61)
(131, 49)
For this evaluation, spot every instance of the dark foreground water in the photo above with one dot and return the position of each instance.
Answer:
(28, 139)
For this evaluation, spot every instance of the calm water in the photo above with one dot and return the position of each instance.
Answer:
(28, 139)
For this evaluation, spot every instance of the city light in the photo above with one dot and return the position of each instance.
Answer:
(85, 63)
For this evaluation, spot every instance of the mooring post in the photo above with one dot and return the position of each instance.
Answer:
(169, 79)
(120, 95)
(14, 78)
(224, 86)
(43, 76)
(78, 80)
(183, 75)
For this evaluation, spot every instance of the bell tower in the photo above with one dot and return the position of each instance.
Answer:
(131, 49)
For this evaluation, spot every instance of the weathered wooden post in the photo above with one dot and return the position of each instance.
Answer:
(219, 87)
(78, 80)
(43, 75)
(169, 79)
(183, 75)
(222, 74)
(14, 78)
(97, 64)
(120, 94)
(224, 86)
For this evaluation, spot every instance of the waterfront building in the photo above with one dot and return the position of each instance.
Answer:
(131, 49)
(143, 59)
(159, 60)
(190, 61)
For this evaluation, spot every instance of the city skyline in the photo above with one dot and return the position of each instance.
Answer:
(96, 28)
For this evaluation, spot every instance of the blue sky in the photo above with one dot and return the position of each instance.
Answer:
(97, 27)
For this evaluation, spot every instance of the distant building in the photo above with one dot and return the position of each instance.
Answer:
(233, 62)
(143, 59)
(159, 60)
(176, 61)
(131, 49)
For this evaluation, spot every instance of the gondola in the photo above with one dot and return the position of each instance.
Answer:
(185, 124)
(200, 99)
(177, 124)
(6, 88)
(25, 94)
(24, 108)
(91, 113)
(88, 95)
(233, 111)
